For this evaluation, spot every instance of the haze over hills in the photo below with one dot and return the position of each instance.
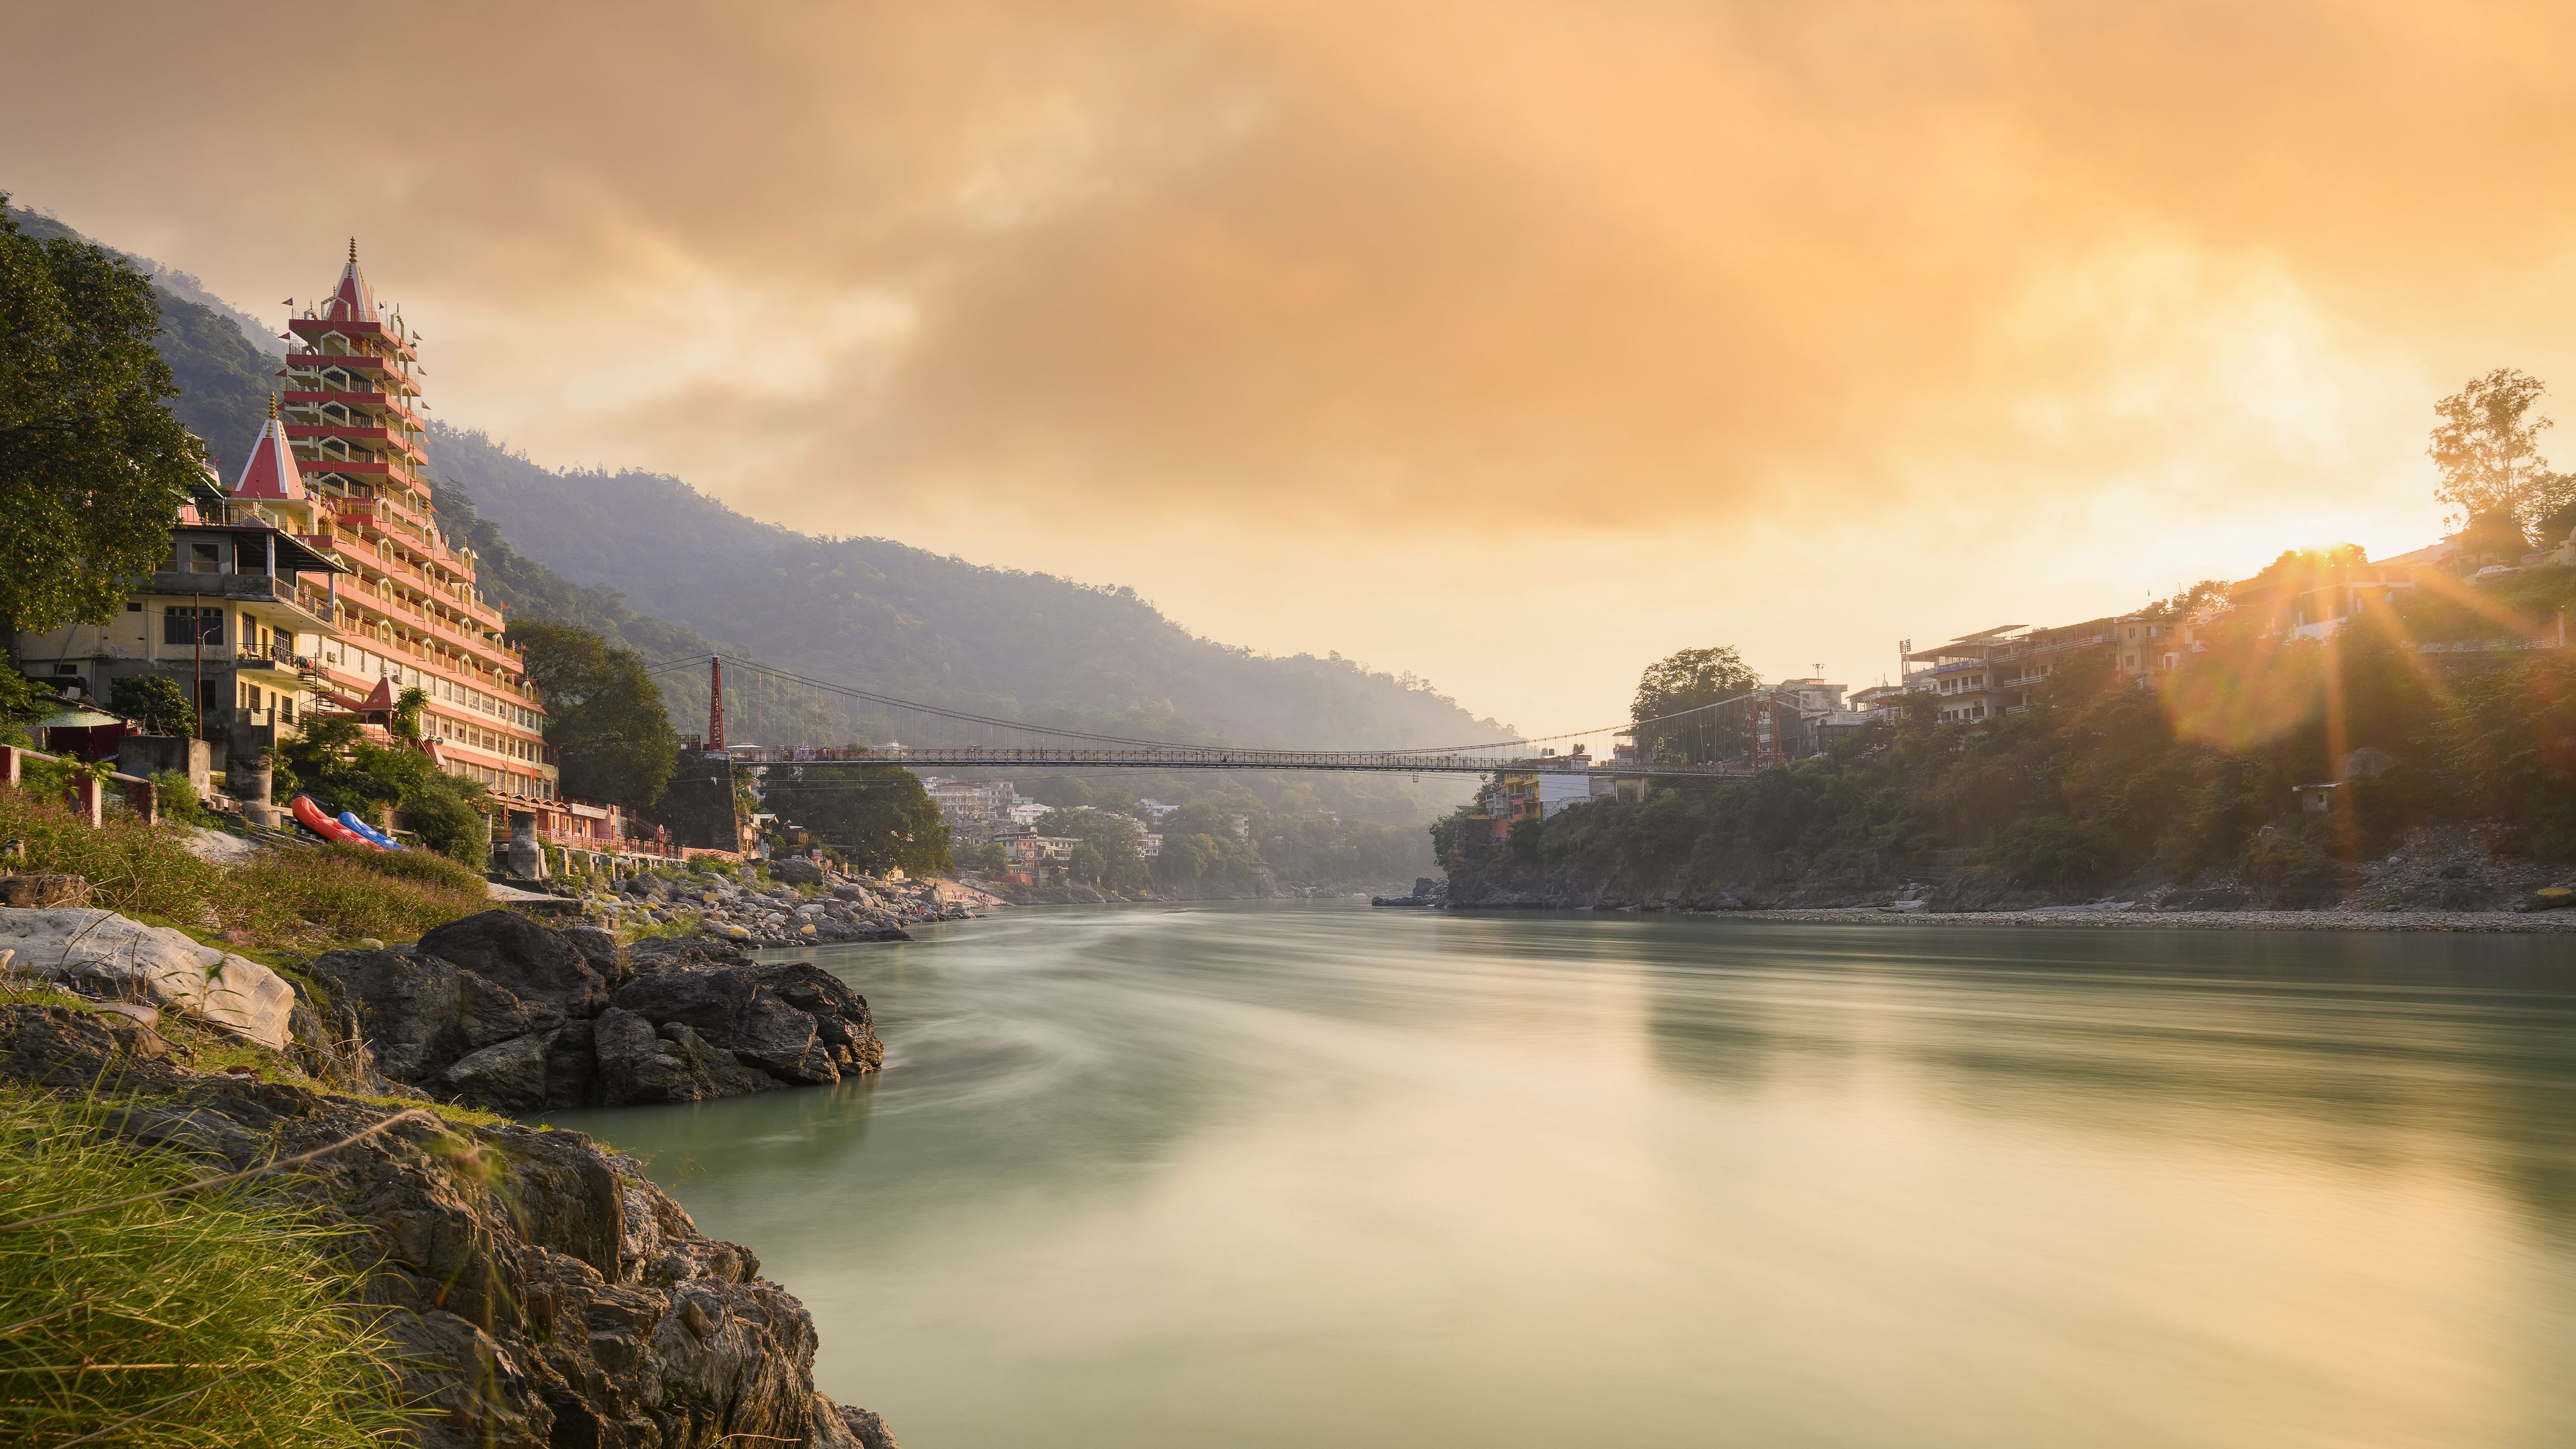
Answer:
(665, 570)
(923, 626)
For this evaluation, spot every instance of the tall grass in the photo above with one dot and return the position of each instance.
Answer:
(221, 1317)
(302, 898)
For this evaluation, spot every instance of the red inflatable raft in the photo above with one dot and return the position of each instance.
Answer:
(310, 816)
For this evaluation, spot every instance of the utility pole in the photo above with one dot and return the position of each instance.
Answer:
(715, 704)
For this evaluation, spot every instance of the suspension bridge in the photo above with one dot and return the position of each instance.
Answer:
(944, 738)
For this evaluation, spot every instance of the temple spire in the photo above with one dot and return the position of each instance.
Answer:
(270, 474)
(353, 300)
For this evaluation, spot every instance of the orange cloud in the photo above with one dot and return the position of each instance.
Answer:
(1933, 300)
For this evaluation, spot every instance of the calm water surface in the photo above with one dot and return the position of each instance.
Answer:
(1318, 1175)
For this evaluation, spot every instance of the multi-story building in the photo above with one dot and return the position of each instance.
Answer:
(1810, 716)
(973, 810)
(238, 615)
(410, 614)
(1991, 673)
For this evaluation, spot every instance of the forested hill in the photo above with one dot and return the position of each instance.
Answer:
(224, 380)
(913, 623)
(660, 568)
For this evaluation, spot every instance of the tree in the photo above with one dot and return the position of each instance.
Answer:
(405, 723)
(154, 703)
(2488, 450)
(335, 762)
(1684, 682)
(878, 815)
(1111, 852)
(605, 718)
(92, 466)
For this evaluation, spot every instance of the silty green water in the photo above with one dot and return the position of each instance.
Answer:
(1322, 1175)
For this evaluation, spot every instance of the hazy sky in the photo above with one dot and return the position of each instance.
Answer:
(1512, 344)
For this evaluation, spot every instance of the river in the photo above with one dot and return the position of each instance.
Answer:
(1323, 1175)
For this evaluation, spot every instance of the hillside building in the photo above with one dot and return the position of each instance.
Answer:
(1991, 673)
(973, 810)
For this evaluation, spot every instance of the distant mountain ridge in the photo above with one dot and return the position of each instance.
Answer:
(663, 569)
(923, 626)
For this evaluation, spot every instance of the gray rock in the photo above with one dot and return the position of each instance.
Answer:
(837, 1426)
(534, 962)
(637, 1065)
(420, 1013)
(100, 953)
(509, 1075)
(722, 1072)
(791, 1019)
(42, 890)
(571, 1066)
(597, 947)
(796, 870)
(2550, 898)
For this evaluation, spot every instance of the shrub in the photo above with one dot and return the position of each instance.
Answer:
(447, 824)
(178, 799)
(241, 1311)
(153, 702)
(2052, 852)
(2291, 870)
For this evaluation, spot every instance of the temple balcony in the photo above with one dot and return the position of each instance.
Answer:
(353, 400)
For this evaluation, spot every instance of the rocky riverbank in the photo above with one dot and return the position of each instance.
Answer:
(803, 903)
(541, 1291)
(499, 1011)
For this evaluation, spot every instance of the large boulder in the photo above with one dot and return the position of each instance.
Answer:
(599, 948)
(694, 1019)
(534, 962)
(420, 1013)
(790, 1019)
(102, 954)
(797, 870)
(510, 1075)
(636, 1065)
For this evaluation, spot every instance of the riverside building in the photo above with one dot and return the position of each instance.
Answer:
(236, 615)
(409, 614)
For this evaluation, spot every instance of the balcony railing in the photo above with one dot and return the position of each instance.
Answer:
(275, 656)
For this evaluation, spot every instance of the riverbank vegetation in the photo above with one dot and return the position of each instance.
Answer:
(286, 898)
(2101, 781)
(148, 1318)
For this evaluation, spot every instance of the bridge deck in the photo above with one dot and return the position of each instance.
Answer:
(1389, 762)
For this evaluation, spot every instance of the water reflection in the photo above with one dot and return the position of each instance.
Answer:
(1261, 1176)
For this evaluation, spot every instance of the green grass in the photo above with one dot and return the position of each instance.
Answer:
(223, 1317)
(285, 899)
